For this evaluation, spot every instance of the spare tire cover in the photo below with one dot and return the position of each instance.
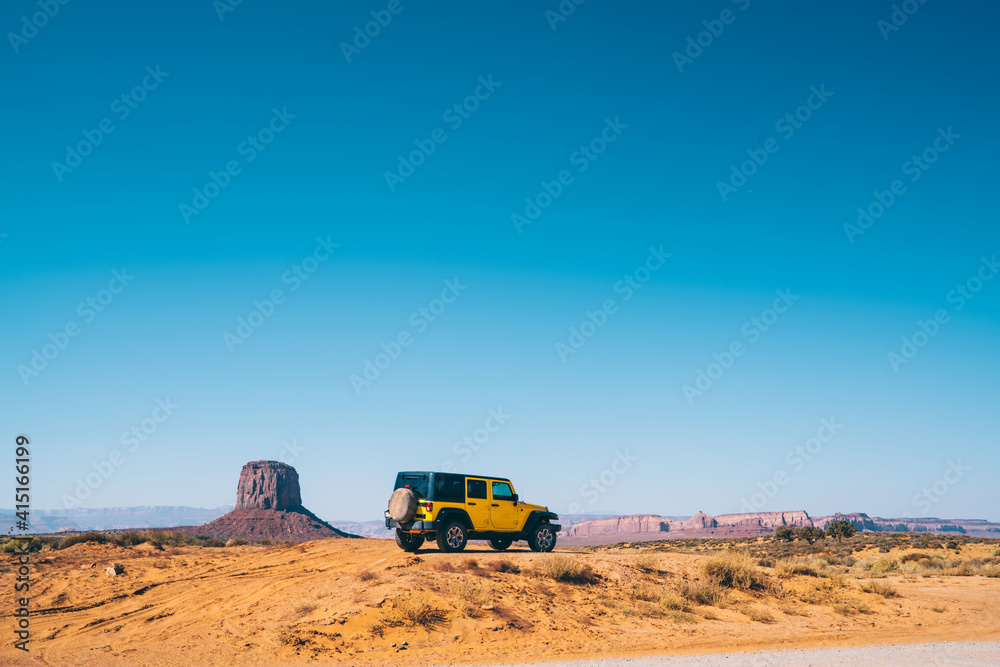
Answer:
(402, 505)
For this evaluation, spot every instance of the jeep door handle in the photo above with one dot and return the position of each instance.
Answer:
(495, 505)
(472, 503)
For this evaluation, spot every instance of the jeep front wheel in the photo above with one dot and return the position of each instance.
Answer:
(453, 537)
(408, 542)
(501, 545)
(542, 538)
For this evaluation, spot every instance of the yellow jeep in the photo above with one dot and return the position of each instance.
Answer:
(455, 508)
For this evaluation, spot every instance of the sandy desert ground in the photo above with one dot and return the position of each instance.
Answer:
(349, 601)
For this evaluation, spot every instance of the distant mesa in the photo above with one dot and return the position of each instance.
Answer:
(268, 507)
(640, 527)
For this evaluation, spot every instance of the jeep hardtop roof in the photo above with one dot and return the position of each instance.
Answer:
(461, 474)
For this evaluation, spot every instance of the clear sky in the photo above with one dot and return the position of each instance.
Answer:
(507, 169)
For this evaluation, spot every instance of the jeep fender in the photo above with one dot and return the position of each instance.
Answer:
(538, 517)
(453, 514)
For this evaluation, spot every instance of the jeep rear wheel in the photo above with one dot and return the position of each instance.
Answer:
(542, 538)
(408, 542)
(501, 545)
(453, 537)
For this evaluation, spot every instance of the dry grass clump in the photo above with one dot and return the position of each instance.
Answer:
(878, 587)
(567, 570)
(304, 609)
(504, 566)
(641, 590)
(368, 575)
(646, 563)
(787, 569)
(733, 569)
(705, 593)
(471, 597)
(914, 556)
(673, 601)
(414, 610)
(755, 613)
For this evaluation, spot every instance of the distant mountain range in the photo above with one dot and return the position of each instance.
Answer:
(111, 518)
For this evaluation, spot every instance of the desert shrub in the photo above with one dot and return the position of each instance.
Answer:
(33, 545)
(470, 597)
(642, 590)
(414, 610)
(304, 609)
(879, 587)
(81, 538)
(706, 593)
(840, 530)
(952, 544)
(212, 543)
(733, 569)
(672, 601)
(505, 566)
(914, 556)
(376, 628)
(755, 613)
(884, 566)
(959, 569)
(646, 563)
(784, 534)
(785, 569)
(562, 568)
(765, 562)
(992, 571)
(233, 542)
(368, 575)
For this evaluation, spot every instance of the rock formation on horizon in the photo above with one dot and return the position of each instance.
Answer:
(268, 485)
(268, 507)
(640, 527)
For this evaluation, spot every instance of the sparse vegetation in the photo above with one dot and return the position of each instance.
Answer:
(565, 569)
(879, 587)
(646, 563)
(733, 569)
(786, 569)
(471, 596)
(840, 530)
(704, 593)
(504, 566)
(368, 575)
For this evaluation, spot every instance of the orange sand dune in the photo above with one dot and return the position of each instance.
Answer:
(348, 601)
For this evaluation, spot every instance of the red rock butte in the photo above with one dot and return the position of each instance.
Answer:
(268, 507)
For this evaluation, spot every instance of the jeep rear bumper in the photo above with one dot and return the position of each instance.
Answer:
(412, 525)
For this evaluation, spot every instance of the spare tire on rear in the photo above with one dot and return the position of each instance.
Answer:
(402, 505)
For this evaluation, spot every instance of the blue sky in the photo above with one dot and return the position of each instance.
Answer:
(202, 92)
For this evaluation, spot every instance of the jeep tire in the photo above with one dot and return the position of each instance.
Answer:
(501, 544)
(452, 537)
(542, 538)
(408, 542)
(403, 505)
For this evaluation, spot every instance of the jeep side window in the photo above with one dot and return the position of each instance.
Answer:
(476, 488)
(448, 488)
(502, 491)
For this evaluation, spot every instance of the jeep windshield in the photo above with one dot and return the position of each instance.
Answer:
(416, 481)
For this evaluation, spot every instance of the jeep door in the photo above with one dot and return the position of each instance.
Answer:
(503, 512)
(477, 503)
